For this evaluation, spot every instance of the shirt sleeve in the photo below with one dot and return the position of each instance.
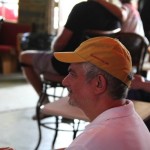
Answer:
(76, 18)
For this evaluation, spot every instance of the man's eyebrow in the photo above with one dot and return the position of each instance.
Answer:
(71, 70)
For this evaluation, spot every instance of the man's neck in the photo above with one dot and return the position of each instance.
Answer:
(104, 105)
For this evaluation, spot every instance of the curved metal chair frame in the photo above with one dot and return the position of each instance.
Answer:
(53, 125)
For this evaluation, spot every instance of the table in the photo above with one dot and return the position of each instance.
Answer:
(61, 107)
(142, 108)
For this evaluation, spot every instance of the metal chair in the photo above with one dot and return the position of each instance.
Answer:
(50, 88)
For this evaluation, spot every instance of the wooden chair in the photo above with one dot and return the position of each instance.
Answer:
(95, 33)
(136, 44)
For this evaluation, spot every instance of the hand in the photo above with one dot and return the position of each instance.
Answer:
(137, 82)
(139, 78)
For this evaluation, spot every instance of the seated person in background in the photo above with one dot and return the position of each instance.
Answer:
(128, 14)
(140, 89)
(98, 81)
(85, 15)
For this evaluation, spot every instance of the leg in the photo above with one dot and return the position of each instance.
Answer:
(29, 72)
(37, 63)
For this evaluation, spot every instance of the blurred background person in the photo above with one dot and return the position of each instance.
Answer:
(128, 15)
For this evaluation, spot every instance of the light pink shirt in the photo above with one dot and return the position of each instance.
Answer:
(133, 23)
(119, 128)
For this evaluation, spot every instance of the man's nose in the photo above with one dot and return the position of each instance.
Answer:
(65, 81)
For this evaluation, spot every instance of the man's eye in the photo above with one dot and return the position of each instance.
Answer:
(72, 74)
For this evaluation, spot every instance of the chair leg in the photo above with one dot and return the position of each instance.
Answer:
(56, 132)
(41, 99)
(39, 123)
(75, 131)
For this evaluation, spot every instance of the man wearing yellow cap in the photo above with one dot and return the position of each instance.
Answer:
(98, 80)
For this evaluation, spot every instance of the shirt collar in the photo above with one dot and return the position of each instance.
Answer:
(116, 112)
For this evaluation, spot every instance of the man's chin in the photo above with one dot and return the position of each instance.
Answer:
(71, 101)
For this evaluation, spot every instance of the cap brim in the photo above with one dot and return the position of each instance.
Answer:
(68, 57)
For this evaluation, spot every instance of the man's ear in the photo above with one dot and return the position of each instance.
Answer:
(101, 84)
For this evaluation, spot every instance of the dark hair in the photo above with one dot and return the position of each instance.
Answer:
(116, 88)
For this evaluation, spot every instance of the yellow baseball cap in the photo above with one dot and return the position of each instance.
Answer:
(106, 53)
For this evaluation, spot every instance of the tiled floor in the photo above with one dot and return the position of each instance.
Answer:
(17, 129)
(20, 132)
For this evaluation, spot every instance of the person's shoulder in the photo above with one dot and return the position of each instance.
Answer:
(80, 7)
(81, 4)
(86, 3)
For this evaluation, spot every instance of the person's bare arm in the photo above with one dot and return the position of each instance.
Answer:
(139, 83)
(119, 12)
(62, 40)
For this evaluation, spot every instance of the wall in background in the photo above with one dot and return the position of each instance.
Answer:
(39, 13)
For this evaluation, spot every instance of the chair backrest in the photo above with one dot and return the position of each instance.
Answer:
(136, 44)
(94, 33)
